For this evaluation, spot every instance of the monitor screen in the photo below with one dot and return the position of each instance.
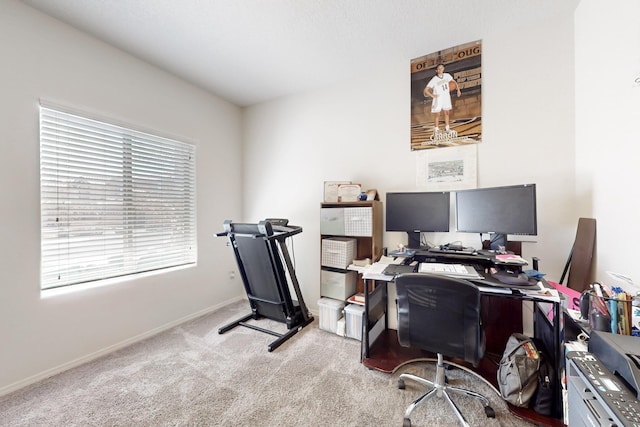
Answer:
(417, 212)
(498, 210)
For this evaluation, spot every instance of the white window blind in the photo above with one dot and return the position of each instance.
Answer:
(114, 201)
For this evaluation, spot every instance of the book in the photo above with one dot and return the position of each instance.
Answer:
(510, 259)
(357, 298)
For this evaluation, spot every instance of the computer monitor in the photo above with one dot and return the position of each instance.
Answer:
(417, 212)
(498, 211)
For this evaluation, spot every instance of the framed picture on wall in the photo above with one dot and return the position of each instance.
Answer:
(446, 97)
(447, 170)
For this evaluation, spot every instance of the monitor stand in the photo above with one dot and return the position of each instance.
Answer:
(496, 241)
(413, 241)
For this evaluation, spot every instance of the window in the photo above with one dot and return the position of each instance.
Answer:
(114, 201)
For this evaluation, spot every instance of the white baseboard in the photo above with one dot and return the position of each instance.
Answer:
(110, 349)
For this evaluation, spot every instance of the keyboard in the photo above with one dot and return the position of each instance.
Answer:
(451, 270)
(463, 251)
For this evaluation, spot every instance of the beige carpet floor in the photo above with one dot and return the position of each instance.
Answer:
(192, 376)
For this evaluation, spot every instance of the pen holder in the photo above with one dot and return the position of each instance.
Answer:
(610, 314)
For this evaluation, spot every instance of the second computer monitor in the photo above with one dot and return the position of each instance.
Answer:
(417, 212)
(498, 210)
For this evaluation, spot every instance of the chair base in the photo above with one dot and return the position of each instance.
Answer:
(439, 387)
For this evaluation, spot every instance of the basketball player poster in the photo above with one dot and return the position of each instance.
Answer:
(446, 97)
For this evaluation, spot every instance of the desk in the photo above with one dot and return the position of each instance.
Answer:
(381, 350)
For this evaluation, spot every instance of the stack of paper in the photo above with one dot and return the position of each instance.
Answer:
(451, 270)
(510, 259)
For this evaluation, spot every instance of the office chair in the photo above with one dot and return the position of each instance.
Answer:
(441, 315)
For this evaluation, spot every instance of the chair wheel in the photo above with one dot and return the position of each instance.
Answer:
(401, 384)
(490, 412)
(406, 422)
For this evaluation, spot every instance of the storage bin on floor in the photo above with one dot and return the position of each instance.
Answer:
(353, 320)
(330, 311)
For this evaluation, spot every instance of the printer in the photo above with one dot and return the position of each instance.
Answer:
(603, 384)
(620, 354)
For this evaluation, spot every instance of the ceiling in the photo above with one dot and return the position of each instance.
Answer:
(251, 51)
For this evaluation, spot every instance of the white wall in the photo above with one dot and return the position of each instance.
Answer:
(359, 131)
(607, 117)
(43, 58)
(578, 153)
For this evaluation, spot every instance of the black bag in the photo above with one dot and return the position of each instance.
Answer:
(543, 399)
(518, 370)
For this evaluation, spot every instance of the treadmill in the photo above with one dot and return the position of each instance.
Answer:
(260, 251)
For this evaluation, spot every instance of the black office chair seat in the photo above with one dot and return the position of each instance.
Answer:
(441, 315)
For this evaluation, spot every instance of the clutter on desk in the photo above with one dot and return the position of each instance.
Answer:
(541, 292)
(510, 259)
(534, 273)
(571, 297)
(574, 314)
(362, 262)
(611, 310)
(390, 260)
(402, 252)
(397, 269)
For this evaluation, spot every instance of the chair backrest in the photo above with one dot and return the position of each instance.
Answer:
(440, 314)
